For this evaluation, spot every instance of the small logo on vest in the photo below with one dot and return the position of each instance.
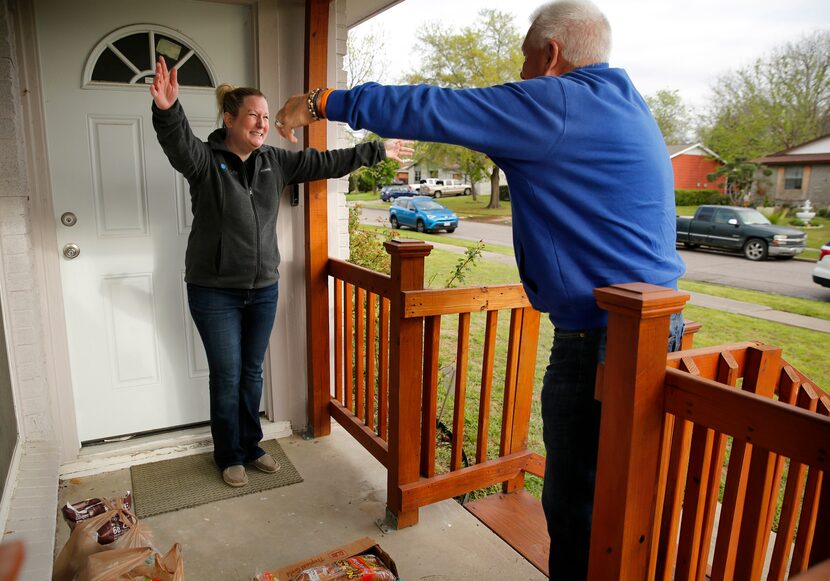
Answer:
(265, 169)
(223, 166)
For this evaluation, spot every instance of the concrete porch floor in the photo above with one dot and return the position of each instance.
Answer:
(342, 496)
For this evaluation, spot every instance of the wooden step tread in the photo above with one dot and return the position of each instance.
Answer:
(518, 519)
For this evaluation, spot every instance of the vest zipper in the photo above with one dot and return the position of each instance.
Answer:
(258, 249)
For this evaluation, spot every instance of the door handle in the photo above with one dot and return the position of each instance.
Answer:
(71, 251)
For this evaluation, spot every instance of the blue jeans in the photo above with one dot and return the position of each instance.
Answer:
(235, 326)
(571, 419)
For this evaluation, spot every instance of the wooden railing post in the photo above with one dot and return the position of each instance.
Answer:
(405, 369)
(631, 427)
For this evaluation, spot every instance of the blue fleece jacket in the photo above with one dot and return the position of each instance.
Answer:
(590, 179)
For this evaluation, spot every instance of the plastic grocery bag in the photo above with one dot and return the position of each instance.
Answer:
(114, 529)
(135, 563)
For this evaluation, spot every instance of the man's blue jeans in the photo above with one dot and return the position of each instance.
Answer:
(235, 326)
(571, 419)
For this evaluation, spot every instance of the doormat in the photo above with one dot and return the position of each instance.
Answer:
(170, 485)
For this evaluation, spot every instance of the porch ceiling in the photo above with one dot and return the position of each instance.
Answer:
(358, 11)
(342, 496)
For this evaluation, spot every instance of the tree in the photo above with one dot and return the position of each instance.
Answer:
(672, 116)
(484, 54)
(778, 102)
(365, 59)
(740, 175)
(381, 173)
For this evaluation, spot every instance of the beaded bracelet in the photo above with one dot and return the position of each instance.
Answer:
(311, 101)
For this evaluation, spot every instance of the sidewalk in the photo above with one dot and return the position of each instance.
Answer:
(700, 300)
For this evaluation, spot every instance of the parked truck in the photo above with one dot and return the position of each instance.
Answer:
(737, 229)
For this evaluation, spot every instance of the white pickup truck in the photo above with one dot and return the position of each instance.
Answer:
(437, 187)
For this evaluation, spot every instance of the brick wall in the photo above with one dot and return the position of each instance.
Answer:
(18, 281)
(818, 192)
(690, 173)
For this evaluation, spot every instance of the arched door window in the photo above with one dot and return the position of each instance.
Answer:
(127, 57)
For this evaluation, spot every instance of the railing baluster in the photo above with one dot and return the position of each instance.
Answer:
(432, 345)
(360, 352)
(816, 501)
(491, 328)
(761, 376)
(338, 340)
(383, 391)
(511, 374)
(371, 326)
(727, 373)
(523, 394)
(676, 478)
(348, 341)
(462, 356)
(808, 400)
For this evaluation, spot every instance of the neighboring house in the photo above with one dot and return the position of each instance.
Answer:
(801, 173)
(692, 163)
(95, 336)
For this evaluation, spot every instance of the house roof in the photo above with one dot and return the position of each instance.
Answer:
(810, 152)
(795, 159)
(690, 149)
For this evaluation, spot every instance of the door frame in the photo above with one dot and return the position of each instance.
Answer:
(61, 401)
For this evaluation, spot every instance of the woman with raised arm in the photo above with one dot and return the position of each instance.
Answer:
(232, 258)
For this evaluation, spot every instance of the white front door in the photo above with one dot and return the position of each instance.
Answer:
(137, 361)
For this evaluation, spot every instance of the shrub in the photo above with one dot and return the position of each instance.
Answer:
(823, 213)
(795, 222)
(700, 197)
(366, 247)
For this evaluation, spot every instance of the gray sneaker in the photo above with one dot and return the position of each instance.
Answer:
(267, 464)
(235, 476)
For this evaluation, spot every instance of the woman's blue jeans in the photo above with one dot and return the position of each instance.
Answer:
(235, 326)
(571, 419)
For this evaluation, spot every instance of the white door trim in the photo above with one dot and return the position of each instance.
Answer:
(47, 267)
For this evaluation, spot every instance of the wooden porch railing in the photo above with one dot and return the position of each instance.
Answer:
(387, 338)
(666, 426)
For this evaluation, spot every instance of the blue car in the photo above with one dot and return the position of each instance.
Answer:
(422, 213)
(391, 192)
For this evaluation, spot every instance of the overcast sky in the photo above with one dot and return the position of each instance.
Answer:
(671, 44)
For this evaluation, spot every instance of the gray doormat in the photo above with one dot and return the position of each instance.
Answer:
(179, 483)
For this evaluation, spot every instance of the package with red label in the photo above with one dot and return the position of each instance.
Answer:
(358, 568)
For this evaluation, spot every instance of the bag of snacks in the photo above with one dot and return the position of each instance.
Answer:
(359, 567)
(113, 529)
(75, 512)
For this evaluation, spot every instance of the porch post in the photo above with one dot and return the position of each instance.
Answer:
(405, 371)
(631, 427)
(316, 233)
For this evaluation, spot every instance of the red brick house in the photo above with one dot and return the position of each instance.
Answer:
(692, 163)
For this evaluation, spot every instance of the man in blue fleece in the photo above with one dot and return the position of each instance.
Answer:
(592, 192)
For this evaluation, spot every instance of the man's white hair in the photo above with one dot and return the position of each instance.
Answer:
(581, 29)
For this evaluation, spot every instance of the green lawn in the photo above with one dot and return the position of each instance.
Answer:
(804, 349)
(438, 238)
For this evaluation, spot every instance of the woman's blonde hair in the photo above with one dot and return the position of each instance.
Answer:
(230, 99)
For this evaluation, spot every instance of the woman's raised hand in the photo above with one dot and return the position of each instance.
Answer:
(398, 149)
(165, 87)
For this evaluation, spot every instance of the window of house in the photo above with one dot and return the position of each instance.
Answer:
(128, 56)
(433, 173)
(417, 176)
(792, 177)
